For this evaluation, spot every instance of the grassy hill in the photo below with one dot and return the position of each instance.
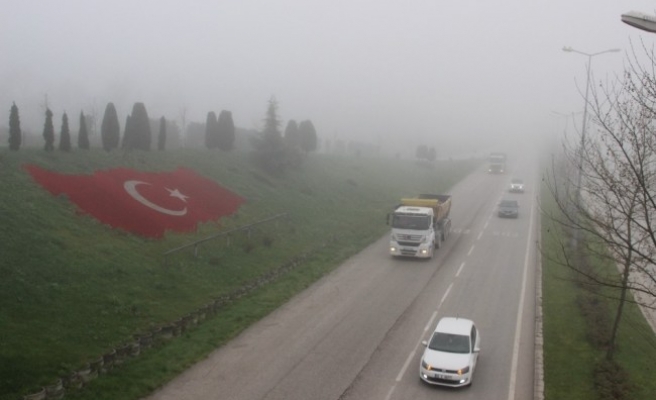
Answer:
(72, 289)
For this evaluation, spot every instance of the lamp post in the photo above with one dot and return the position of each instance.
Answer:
(585, 118)
(640, 20)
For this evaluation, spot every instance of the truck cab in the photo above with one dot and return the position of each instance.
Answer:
(497, 163)
(413, 232)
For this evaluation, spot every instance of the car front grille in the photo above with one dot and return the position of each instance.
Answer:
(448, 371)
(443, 381)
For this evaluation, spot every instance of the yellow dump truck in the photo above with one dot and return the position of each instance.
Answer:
(420, 225)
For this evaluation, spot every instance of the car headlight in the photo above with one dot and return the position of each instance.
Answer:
(463, 370)
(425, 365)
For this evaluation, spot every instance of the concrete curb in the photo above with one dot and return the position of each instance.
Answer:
(538, 373)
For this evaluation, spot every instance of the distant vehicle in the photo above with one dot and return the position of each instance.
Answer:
(497, 163)
(451, 353)
(516, 186)
(509, 209)
(420, 225)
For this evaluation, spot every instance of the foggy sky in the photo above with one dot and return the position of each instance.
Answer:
(413, 71)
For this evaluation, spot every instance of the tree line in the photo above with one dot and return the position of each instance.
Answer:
(273, 150)
(137, 133)
(604, 186)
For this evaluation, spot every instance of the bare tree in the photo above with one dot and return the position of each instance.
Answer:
(605, 186)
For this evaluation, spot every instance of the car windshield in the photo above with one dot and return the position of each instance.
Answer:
(417, 222)
(449, 343)
(508, 203)
(519, 181)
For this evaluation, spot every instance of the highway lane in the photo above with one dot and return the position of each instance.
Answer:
(356, 333)
(486, 273)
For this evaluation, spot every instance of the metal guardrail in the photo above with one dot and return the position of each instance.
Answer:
(220, 234)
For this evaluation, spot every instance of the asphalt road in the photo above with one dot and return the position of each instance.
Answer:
(356, 334)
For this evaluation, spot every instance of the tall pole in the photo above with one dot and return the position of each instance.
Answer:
(579, 179)
(582, 147)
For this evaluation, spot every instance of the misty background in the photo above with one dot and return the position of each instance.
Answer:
(460, 75)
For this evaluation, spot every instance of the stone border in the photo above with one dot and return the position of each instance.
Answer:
(538, 369)
(114, 358)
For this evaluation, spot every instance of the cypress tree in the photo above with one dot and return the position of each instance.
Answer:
(140, 129)
(271, 133)
(211, 131)
(83, 135)
(65, 136)
(110, 131)
(307, 136)
(127, 142)
(161, 139)
(226, 131)
(15, 134)
(292, 134)
(49, 132)
(270, 151)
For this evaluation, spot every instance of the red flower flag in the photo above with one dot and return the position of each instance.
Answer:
(145, 203)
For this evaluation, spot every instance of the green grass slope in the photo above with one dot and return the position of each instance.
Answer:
(571, 359)
(72, 288)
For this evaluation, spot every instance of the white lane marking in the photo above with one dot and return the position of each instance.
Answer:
(430, 321)
(406, 365)
(520, 311)
(479, 235)
(445, 294)
(486, 223)
(389, 394)
(460, 269)
(470, 250)
(414, 351)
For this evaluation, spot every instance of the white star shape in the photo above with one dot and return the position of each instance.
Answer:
(176, 193)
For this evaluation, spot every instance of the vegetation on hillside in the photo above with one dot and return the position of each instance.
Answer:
(578, 320)
(73, 288)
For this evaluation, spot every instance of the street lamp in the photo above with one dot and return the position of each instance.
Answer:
(640, 20)
(585, 117)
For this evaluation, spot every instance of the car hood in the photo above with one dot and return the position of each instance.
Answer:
(444, 360)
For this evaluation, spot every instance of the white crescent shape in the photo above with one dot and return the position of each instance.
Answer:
(131, 188)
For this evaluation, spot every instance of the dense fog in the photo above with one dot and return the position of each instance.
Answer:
(459, 75)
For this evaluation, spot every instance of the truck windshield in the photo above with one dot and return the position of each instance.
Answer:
(417, 222)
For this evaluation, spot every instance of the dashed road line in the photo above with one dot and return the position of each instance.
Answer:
(408, 360)
(460, 269)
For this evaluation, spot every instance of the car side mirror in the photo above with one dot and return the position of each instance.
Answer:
(425, 343)
(477, 349)
(387, 220)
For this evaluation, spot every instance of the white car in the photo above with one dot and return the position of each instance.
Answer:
(516, 186)
(451, 353)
